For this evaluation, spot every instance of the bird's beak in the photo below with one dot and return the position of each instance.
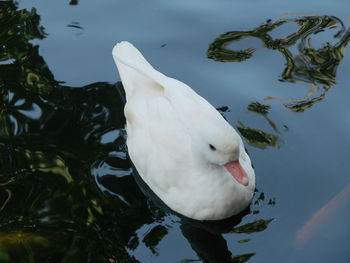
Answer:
(236, 170)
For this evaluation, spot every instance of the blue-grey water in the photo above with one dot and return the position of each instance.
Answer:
(67, 193)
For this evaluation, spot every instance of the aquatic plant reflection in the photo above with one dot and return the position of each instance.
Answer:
(256, 137)
(314, 67)
(310, 65)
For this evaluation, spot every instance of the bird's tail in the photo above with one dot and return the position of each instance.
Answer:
(134, 70)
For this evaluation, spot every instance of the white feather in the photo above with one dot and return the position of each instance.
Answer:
(169, 128)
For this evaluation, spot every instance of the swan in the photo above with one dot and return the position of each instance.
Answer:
(181, 146)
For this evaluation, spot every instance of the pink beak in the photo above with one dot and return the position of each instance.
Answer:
(236, 170)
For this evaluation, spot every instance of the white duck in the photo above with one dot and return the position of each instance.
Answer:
(183, 149)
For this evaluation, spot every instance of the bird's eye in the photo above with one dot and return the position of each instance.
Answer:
(212, 147)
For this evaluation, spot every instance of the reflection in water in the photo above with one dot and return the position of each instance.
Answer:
(67, 191)
(206, 237)
(73, 2)
(154, 236)
(77, 26)
(255, 137)
(207, 240)
(210, 247)
(314, 67)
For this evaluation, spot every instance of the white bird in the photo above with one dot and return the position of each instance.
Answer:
(181, 146)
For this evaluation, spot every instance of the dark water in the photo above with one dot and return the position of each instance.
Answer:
(67, 190)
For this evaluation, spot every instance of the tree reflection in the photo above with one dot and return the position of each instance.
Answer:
(67, 191)
(73, 2)
(317, 66)
(311, 66)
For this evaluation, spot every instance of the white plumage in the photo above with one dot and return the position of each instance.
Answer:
(182, 147)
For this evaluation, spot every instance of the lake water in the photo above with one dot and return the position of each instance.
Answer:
(67, 190)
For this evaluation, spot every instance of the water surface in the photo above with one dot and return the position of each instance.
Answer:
(67, 190)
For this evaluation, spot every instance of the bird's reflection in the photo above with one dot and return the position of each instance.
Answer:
(208, 246)
(206, 237)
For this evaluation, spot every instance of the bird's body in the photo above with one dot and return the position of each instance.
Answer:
(180, 144)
